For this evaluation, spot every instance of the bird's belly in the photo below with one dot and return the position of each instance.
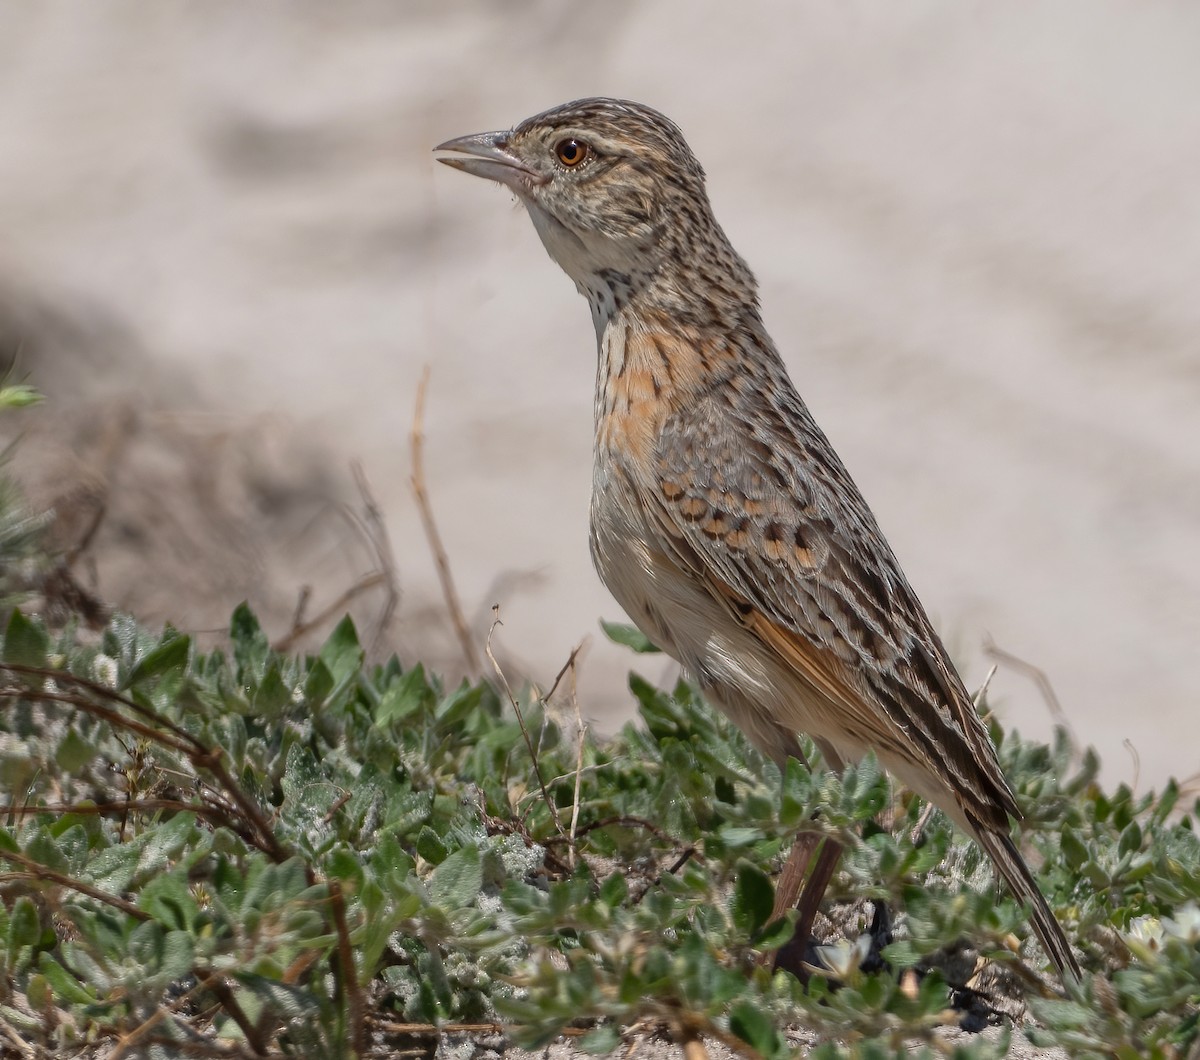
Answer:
(673, 607)
(767, 698)
(632, 568)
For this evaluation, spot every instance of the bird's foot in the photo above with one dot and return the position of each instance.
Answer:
(807, 957)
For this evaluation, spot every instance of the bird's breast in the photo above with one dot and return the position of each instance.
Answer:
(646, 373)
(631, 403)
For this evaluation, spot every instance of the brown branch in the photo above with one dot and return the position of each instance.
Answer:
(498, 826)
(200, 756)
(349, 976)
(104, 692)
(693, 1024)
(690, 1042)
(60, 588)
(44, 874)
(569, 665)
(1137, 762)
(679, 862)
(254, 1037)
(342, 799)
(433, 1030)
(267, 840)
(370, 526)
(89, 533)
(23, 1047)
(183, 1047)
(217, 814)
(625, 819)
(185, 746)
(581, 730)
(449, 593)
(366, 583)
(297, 615)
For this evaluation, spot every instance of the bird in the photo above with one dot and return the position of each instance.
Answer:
(721, 518)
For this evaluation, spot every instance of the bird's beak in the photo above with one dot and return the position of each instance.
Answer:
(487, 155)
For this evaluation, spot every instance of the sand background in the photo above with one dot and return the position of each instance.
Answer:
(227, 255)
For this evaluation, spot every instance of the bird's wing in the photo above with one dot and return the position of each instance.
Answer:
(759, 505)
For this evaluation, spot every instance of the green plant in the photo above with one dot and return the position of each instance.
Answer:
(286, 856)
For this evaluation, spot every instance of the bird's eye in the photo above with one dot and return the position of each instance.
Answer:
(571, 152)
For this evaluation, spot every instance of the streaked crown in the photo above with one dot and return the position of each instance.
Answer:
(618, 198)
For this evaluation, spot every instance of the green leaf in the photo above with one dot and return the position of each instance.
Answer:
(753, 899)
(600, 1040)
(19, 396)
(65, 986)
(167, 898)
(172, 655)
(750, 1023)
(430, 846)
(289, 1002)
(73, 752)
(1131, 839)
(25, 642)
(250, 644)
(307, 795)
(456, 706)
(341, 653)
(24, 928)
(43, 848)
(404, 696)
(1073, 849)
(776, 934)
(272, 695)
(456, 881)
(318, 684)
(614, 890)
(117, 868)
(629, 637)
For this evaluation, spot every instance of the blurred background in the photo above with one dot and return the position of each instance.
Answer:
(227, 256)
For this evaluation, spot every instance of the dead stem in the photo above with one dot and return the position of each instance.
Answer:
(449, 593)
(537, 769)
(349, 977)
(1039, 678)
(43, 873)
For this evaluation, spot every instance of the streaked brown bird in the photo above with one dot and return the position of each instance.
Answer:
(721, 518)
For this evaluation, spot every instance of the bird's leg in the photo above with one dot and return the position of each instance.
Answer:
(791, 878)
(818, 884)
(794, 955)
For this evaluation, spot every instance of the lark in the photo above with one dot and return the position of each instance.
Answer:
(722, 520)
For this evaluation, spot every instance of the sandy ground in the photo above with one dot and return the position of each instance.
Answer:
(227, 256)
(652, 1048)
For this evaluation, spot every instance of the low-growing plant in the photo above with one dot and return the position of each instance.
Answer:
(269, 855)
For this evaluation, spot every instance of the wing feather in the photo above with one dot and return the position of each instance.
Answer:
(766, 512)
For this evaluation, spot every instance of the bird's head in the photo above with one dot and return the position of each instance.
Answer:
(610, 185)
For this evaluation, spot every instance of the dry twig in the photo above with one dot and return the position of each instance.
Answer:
(1039, 678)
(349, 976)
(537, 769)
(371, 527)
(449, 593)
(38, 872)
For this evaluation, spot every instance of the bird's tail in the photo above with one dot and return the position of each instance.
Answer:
(1012, 867)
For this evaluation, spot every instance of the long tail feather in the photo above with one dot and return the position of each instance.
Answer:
(1012, 867)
